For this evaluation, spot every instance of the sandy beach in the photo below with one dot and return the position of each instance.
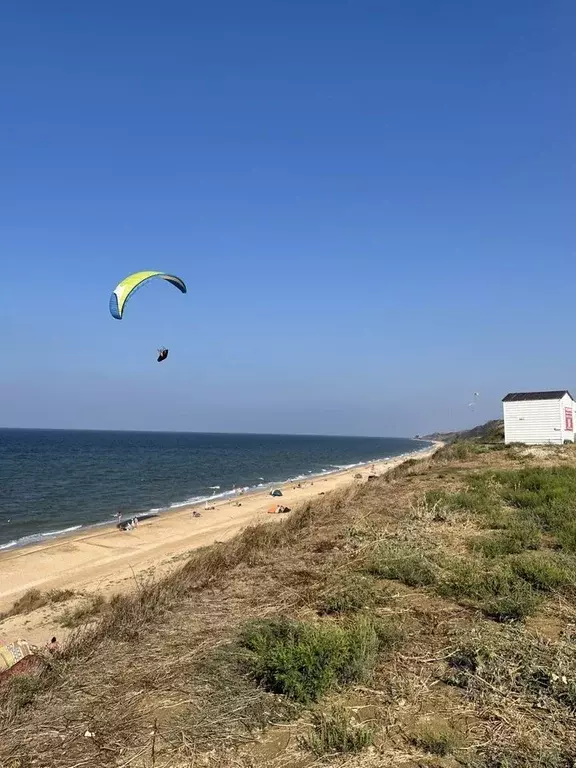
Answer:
(106, 560)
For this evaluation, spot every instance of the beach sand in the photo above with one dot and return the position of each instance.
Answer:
(106, 560)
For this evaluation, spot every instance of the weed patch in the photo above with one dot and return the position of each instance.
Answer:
(352, 594)
(410, 567)
(440, 740)
(499, 593)
(334, 732)
(519, 537)
(545, 570)
(303, 661)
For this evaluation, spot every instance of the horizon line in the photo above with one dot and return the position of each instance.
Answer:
(192, 432)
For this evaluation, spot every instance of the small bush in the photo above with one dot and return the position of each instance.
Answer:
(499, 593)
(303, 661)
(390, 634)
(30, 601)
(546, 495)
(60, 595)
(86, 611)
(519, 537)
(434, 506)
(462, 450)
(352, 594)
(567, 536)
(545, 571)
(477, 502)
(411, 568)
(333, 732)
(517, 604)
(440, 740)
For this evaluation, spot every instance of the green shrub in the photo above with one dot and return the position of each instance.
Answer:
(411, 568)
(334, 732)
(431, 498)
(477, 501)
(500, 593)
(302, 660)
(518, 537)
(525, 501)
(352, 594)
(567, 536)
(515, 605)
(545, 571)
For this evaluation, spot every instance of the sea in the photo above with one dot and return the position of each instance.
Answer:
(54, 482)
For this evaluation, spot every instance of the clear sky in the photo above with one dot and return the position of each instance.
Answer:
(372, 202)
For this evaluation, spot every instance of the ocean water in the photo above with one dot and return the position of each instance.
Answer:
(55, 481)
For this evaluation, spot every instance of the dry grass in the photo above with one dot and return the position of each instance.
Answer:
(436, 740)
(334, 732)
(88, 610)
(189, 670)
(33, 599)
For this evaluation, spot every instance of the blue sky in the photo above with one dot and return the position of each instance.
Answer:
(372, 204)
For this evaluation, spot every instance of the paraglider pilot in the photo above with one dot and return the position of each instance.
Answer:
(162, 354)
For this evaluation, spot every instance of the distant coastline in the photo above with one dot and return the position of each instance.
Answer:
(106, 560)
(81, 488)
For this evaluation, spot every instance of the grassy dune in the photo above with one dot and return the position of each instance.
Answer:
(425, 618)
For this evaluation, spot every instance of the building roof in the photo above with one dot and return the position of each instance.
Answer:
(555, 395)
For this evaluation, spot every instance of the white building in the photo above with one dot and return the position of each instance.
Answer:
(539, 417)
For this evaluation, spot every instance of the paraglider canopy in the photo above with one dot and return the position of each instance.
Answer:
(130, 284)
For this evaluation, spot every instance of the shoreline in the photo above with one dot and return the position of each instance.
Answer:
(40, 540)
(103, 559)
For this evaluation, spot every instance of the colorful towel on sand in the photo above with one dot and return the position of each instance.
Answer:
(13, 653)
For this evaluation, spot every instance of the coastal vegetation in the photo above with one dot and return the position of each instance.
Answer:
(33, 599)
(424, 618)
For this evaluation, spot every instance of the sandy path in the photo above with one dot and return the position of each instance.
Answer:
(108, 560)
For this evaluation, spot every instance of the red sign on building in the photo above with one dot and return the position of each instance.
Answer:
(569, 418)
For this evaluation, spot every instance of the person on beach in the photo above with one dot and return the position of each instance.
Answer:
(53, 645)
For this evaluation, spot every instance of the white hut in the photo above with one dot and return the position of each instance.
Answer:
(539, 417)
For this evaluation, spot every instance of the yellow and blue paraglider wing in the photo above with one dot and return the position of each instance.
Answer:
(126, 288)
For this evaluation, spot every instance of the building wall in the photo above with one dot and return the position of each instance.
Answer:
(534, 421)
(567, 415)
